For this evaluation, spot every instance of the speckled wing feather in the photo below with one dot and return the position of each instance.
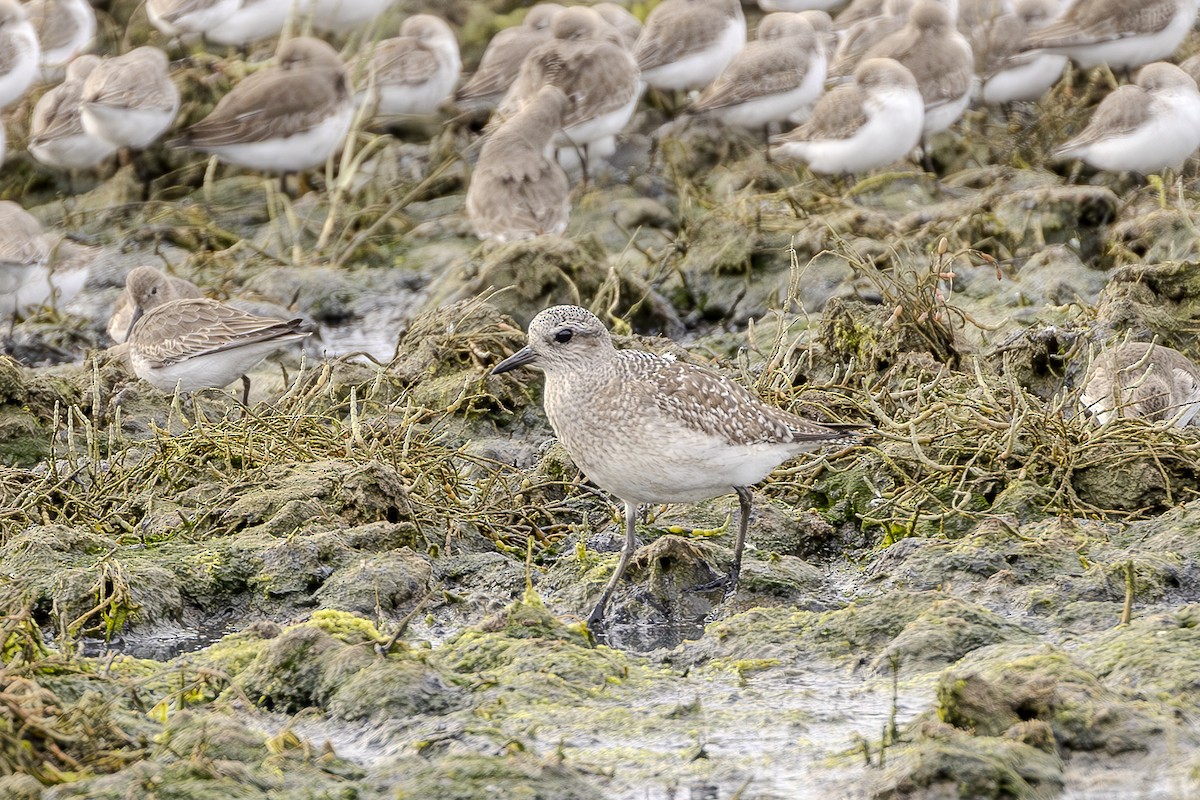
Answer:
(183, 329)
(715, 405)
(762, 69)
(837, 115)
(676, 32)
(404, 60)
(1122, 112)
(269, 105)
(1089, 23)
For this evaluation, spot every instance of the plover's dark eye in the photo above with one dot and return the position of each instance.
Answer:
(564, 336)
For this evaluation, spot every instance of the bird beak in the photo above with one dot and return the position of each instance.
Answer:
(137, 314)
(518, 359)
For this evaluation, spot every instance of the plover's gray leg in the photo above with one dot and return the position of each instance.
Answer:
(245, 390)
(596, 618)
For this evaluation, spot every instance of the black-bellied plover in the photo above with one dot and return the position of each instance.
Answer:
(862, 125)
(652, 430)
(285, 118)
(1139, 379)
(190, 344)
(1144, 127)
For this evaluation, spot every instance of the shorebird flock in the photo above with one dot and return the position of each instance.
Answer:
(838, 88)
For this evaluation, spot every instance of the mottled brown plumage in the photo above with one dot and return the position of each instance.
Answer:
(652, 430)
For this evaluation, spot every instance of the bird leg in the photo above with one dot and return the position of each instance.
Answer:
(596, 618)
(729, 582)
(245, 390)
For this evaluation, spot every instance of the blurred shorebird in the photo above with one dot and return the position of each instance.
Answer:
(285, 118)
(1139, 379)
(252, 21)
(516, 191)
(1145, 127)
(685, 44)
(859, 126)
(502, 59)
(773, 77)
(1120, 33)
(57, 137)
(180, 17)
(415, 72)
(587, 59)
(130, 100)
(64, 30)
(651, 430)
(20, 53)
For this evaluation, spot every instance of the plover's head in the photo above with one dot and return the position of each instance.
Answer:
(561, 338)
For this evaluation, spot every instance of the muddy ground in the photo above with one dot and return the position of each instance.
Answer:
(370, 583)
